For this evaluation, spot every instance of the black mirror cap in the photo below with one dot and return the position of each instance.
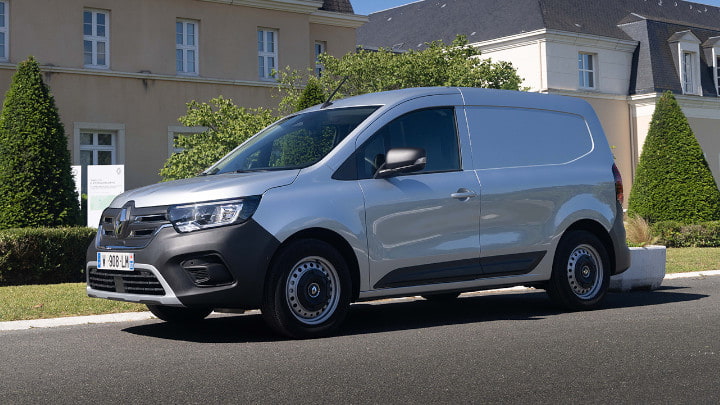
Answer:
(402, 160)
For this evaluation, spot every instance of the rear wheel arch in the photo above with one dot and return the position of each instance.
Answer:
(600, 232)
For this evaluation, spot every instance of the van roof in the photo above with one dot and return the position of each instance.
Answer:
(471, 96)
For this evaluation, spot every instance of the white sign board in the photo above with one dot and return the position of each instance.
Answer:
(77, 176)
(104, 183)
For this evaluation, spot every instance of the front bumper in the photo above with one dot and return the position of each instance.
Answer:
(244, 252)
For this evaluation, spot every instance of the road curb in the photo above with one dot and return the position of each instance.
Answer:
(142, 316)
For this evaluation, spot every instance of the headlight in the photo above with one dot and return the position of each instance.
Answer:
(194, 217)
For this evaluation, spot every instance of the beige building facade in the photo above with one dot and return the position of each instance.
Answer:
(122, 72)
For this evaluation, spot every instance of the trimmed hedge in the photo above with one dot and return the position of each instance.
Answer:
(43, 255)
(36, 185)
(673, 180)
(676, 234)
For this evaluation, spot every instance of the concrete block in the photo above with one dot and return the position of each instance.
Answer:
(647, 270)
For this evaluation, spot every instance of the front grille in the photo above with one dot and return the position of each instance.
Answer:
(129, 227)
(139, 281)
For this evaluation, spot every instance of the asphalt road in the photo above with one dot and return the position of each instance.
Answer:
(642, 347)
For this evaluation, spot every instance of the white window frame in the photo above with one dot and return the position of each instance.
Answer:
(319, 47)
(687, 72)
(95, 147)
(185, 48)
(265, 55)
(118, 130)
(178, 131)
(585, 73)
(5, 30)
(95, 39)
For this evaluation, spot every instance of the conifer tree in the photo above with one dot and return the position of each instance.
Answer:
(311, 95)
(36, 184)
(673, 180)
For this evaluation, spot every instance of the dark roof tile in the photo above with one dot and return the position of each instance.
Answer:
(340, 6)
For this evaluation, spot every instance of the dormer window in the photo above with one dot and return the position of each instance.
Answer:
(687, 72)
(711, 47)
(685, 48)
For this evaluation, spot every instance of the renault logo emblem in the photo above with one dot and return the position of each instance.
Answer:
(122, 220)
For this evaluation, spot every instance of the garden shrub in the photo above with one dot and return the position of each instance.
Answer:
(43, 255)
(677, 234)
(673, 180)
(36, 183)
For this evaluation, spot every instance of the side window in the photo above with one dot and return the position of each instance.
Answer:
(432, 129)
(516, 137)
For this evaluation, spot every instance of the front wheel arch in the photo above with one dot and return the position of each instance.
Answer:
(308, 291)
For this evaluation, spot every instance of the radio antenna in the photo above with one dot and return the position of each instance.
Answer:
(329, 102)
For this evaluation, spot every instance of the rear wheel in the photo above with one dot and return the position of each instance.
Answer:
(581, 271)
(179, 314)
(308, 290)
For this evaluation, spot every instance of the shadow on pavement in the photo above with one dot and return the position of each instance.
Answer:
(376, 317)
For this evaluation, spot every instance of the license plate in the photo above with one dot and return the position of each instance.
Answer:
(116, 261)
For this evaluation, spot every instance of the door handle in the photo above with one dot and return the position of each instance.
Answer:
(463, 194)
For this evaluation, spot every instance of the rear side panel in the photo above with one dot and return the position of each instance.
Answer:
(540, 171)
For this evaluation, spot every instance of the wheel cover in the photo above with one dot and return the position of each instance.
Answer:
(312, 290)
(585, 272)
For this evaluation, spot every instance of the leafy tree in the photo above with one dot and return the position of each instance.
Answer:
(457, 64)
(36, 184)
(228, 126)
(673, 180)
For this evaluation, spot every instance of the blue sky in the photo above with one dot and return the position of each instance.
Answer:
(371, 6)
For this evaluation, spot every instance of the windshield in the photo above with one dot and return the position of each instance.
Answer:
(294, 142)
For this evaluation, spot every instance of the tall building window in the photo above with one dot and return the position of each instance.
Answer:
(96, 39)
(586, 70)
(4, 31)
(319, 49)
(267, 53)
(186, 47)
(97, 148)
(687, 72)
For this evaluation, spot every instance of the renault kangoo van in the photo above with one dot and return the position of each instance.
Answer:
(420, 192)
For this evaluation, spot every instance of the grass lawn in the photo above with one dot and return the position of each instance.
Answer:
(56, 300)
(680, 260)
(52, 301)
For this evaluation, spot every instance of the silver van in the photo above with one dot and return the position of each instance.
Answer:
(427, 191)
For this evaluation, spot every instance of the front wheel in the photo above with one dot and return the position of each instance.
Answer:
(581, 272)
(179, 314)
(308, 290)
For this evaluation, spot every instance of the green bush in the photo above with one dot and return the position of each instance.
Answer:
(36, 184)
(677, 234)
(673, 180)
(43, 255)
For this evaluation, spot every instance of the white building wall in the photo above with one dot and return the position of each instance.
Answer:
(612, 67)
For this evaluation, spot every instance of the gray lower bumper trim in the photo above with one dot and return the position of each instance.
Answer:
(168, 299)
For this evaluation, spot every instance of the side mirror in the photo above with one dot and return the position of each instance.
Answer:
(402, 160)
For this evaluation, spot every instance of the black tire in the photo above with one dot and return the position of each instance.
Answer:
(581, 272)
(308, 290)
(179, 314)
(442, 297)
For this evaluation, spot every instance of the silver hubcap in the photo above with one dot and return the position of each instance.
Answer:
(585, 272)
(312, 290)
